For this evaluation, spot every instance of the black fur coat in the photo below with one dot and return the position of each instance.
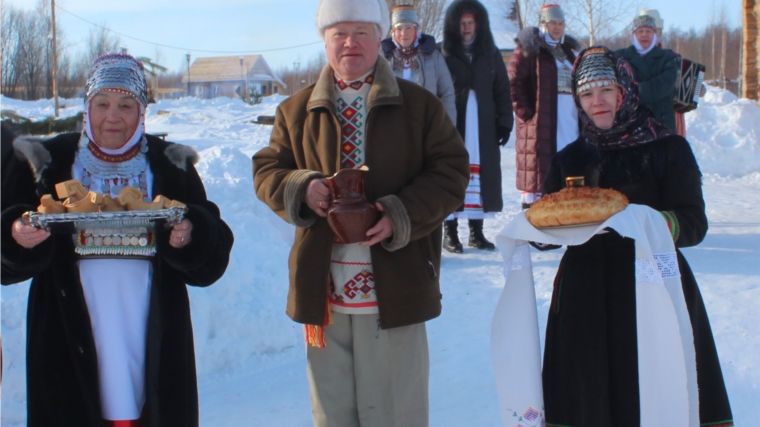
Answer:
(486, 74)
(62, 367)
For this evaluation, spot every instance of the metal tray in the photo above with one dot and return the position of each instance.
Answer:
(71, 222)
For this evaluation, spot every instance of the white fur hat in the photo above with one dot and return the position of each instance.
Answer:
(331, 12)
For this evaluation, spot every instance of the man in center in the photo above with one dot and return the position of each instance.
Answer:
(364, 305)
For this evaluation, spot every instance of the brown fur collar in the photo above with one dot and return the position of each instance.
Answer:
(384, 88)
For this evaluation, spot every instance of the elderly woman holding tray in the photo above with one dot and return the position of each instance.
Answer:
(109, 339)
(604, 348)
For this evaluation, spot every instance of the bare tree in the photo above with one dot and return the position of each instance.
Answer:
(31, 51)
(8, 48)
(301, 75)
(429, 13)
(523, 12)
(597, 18)
(102, 41)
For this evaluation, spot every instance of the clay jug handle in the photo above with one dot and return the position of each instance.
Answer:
(329, 183)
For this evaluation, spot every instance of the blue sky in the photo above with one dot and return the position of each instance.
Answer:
(240, 26)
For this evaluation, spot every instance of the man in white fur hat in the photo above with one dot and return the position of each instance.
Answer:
(364, 305)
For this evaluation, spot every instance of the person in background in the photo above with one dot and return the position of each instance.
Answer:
(654, 69)
(109, 337)
(414, 57)
(591, 366)
(364, 305)
(539, 77)
(484, 115)
(659, 26)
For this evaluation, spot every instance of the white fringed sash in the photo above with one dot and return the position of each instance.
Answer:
(666, 357)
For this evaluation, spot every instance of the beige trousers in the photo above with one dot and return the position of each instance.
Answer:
(368, 377)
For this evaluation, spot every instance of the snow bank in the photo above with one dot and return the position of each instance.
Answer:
(43, 108)
(724, 133)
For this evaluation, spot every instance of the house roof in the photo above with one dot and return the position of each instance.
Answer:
(228, 68)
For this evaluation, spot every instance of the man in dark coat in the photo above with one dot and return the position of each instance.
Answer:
(484, 114)
(654, 69)
(539, 76)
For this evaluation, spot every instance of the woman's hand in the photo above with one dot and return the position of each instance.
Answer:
(26, 235)
(181, 234)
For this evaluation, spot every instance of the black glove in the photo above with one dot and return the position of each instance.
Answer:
(544, 246)
(502, 135)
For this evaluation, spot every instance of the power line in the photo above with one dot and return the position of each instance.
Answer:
(185, 49)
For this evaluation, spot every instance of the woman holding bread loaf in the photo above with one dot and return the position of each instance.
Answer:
(109, 338)
(590, 369)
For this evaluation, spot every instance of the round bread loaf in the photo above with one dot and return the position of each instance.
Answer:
(576, 205)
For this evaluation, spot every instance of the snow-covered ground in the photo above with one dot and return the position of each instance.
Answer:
(251, 358)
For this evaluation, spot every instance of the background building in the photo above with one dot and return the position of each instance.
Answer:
(230, 75)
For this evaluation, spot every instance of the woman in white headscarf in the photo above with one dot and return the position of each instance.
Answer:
(109, 338)
(414, 57)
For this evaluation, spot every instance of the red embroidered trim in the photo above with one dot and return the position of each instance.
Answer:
(129, 155)
(353, 305)
(354, 85)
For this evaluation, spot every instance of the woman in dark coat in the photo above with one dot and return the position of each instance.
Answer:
(109, 339)
(590, 369)
(547, 120)
(654, 69)
(480, 84)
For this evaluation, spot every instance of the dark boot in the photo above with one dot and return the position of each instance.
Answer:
(451, 238)
(525, 206)
(477, 239)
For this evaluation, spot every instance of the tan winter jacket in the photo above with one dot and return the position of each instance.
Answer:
(418, 171)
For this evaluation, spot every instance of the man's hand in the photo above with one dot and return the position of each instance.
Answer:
(26, 235)
(502, 135)
(318, 196)
(382, 230)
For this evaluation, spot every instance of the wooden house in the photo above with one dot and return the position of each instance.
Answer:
(230, 76)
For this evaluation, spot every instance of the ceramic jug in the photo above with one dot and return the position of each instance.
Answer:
(350, 214)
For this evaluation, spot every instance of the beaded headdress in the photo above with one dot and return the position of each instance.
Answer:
(404, 14)
(550, 12)
(595, 68)
(118, 72)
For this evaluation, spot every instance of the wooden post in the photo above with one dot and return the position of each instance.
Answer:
(55, 59)
(750, 49)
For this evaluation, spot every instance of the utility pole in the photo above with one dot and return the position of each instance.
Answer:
(242, 82)
(55, 59)
(297, 85)
(187, 56)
